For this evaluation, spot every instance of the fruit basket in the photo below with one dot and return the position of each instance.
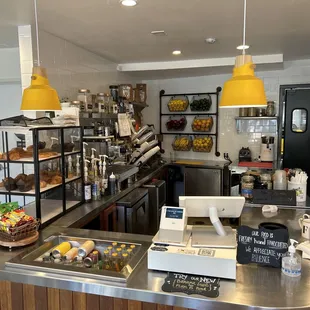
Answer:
(20, 232)
(182, 144)
(177, 124)
(15, 224)
(204, 124)
(201, 103)
(203, 144)
(178, 104)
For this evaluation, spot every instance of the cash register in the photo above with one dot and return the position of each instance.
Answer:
(197, 249)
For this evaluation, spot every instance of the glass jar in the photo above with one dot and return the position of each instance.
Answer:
(247, 185)
(271, 110)
(266, 180)
(114, 92)
(101, 103)
(77, 104)
(85, 96)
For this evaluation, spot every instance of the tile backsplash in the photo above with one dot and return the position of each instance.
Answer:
(230, 141)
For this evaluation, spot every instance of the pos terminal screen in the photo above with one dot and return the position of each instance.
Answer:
(174, 213)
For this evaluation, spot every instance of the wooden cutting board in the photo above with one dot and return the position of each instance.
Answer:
(23, 242)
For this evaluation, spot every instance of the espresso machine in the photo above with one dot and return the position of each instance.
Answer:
(267, 149)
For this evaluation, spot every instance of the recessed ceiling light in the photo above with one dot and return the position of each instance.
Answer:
(129, 2)
(210, 40)
(176, 52)
(243, 47)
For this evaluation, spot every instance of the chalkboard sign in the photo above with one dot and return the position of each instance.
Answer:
(261, 246)
(191, 284)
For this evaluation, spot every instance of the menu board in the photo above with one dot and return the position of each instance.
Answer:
(261, 246)
(191, 284)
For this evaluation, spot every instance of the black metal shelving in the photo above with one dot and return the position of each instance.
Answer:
(37, 192)
(194, 113)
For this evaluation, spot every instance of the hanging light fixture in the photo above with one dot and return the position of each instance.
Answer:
(39, 96)
(244, 89)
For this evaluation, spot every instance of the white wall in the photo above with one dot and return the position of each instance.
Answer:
(293, 73)
(69, 67)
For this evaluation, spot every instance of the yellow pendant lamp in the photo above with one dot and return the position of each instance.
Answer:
(244, 89)
(39, 96)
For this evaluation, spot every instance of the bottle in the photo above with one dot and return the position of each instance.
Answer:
(104, 176)
(291, 261)
(96, 195)
(70, 167)
(84, 150)
(78, 188)
(87, 183)
(112, 184)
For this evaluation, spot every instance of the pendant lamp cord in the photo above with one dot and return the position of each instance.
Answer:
(37, 30)
(244, 27)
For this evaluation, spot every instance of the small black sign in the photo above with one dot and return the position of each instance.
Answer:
(191, 284)
(261, 246)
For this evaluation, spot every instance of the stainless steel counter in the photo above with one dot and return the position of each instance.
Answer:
(256, 287)
(88, 211)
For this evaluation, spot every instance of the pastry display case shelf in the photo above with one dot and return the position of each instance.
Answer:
(30, 160)
(33, 172)
(50, 209)
(32, 192)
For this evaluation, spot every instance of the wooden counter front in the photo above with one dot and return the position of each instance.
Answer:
(17, 296)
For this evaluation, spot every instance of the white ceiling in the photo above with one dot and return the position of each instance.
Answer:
(122, 34)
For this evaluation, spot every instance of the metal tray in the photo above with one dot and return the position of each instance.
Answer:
(28, 261)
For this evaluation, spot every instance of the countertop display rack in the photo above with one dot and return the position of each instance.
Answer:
(214, 134)
(53, 200)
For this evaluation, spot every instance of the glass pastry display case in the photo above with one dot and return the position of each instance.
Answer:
(86, 257)
(43, 173)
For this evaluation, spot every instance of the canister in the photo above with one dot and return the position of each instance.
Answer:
(247, 185)
(88, 261)
(70, 255)
(61, 249)
(86, 248)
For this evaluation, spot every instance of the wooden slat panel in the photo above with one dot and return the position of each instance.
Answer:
(148, 306)
(65, 300)
(79, 301)
(92, 302)
(5, 295)
(17, 296)
(164, 307)
(134, 305)
(106, 303)
(40, 296)
(179, 308)
(29, 300)
(120, 304)
(53, 297)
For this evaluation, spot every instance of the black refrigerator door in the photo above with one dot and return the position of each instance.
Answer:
(297, 130)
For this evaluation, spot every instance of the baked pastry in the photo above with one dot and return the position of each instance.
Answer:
(24, 185)
(43, 184)
(47, 154)
(70, 175)
(9, 184)
(56, 180)
(20, 176)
